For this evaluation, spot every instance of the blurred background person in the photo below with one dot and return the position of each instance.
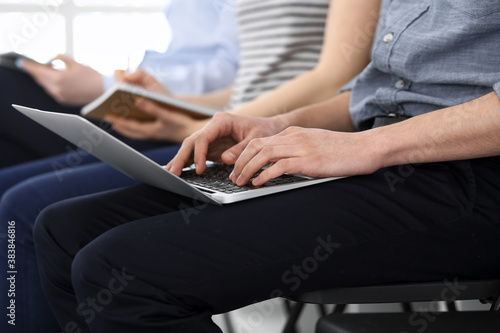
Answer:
(201, 57)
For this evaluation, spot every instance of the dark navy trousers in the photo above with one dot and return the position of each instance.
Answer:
(22, 139)
(140, 259)
(27, 189)
(38, 168)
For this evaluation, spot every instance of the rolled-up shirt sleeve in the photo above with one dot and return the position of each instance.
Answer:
(203, 54)
(496, 87)
(348, 86)
(107, 81)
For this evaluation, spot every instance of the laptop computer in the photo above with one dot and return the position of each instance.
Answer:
(214, 187)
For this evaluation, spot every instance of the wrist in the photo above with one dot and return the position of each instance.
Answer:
(390, 146)
(282, 122)
(378, 146)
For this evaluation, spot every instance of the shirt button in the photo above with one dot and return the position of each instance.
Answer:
(400, 84)
(389, 37)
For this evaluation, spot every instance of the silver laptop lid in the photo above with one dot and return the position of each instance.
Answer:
(109, 149)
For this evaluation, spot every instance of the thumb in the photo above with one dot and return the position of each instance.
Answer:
(120, 75)
(149, 107)
(136, 77)
(68, 60)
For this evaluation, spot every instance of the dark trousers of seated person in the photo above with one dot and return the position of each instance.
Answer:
(23, 140)
(141, 259)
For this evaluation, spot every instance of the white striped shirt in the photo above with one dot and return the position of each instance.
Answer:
(279, 40)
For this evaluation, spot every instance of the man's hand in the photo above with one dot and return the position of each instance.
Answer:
(76, 85)
(223, 139)
(311, 152)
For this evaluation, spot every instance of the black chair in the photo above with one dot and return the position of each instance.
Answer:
(443, 322)
(408, 320)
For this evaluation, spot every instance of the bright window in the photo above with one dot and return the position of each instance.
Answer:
(107, 35)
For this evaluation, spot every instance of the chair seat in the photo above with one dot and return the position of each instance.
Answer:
(403, 292)
(441, 322)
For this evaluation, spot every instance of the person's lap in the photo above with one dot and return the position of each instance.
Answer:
(43, 183)
(400, 224)
(21, 139)
(60, 165)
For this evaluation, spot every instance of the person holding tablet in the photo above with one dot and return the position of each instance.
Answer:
(201, 58)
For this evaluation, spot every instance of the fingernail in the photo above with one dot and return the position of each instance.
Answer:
(231, 176)
(232, 156)
(238, 181)
(19, 63)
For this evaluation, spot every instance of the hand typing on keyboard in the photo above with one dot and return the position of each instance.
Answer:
(251, 143)
(222, 139)
(216, 177)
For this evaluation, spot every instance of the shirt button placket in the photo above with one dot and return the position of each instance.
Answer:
(400, 84)
(388, 37)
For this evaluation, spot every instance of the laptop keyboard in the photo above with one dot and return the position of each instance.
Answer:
(217, 178)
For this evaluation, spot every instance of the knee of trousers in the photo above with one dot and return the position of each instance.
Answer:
(94, 275)
(89, 270)
(56, 227)
(43, 235)
(16, 205)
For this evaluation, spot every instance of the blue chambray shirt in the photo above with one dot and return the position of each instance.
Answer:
(203, 53)
(427, 55)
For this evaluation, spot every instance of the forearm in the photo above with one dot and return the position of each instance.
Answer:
(470, 130)
(348, 37)
(332, 114)
(309, 88)
(217, 100)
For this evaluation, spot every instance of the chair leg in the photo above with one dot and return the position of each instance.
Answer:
(296, 310)
(288, 306)
(451, 306)
(322, 310)
(228, 323)
(339, 308)
(406, 307)
(293, 318)
(496, 304)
